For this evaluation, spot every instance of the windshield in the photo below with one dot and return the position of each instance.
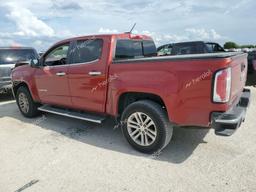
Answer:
(12, 56)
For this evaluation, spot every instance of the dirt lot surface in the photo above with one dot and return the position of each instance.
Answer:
(52, 153)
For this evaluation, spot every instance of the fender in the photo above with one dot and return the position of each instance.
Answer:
(24, 76)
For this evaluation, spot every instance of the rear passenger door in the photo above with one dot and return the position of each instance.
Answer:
(87, 74)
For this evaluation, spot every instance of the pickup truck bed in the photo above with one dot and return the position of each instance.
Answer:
(185, 83)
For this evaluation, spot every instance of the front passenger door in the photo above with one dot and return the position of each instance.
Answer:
(51, 78)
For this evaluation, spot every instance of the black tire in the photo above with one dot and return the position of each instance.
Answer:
(32, 106)
(162, 125)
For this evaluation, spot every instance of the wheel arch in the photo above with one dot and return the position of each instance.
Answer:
(128, 98)
(17, 85)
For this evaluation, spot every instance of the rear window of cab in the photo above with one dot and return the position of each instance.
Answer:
(131, 49)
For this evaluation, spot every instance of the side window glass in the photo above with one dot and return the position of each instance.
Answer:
(132, 49)
(168, 50)
(215, 48)
(219, 48)
(211, 47)
(58, 56)
(87, 51)
(165, 51)
(161, 52)
(149, 49)
(128, 49)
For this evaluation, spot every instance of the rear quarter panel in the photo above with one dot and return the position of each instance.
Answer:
(184, 85)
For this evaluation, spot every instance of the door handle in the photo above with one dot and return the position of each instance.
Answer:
(94, 73)
(61, 74)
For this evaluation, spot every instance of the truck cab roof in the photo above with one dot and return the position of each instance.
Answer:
(117, 36)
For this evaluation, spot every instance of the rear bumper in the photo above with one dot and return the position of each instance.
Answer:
(225, 124)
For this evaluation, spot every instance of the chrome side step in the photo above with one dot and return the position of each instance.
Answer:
(72, 114)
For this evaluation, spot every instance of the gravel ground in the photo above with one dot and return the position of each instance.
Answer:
(53, 154)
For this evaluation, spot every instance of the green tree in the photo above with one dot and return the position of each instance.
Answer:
(230, 45)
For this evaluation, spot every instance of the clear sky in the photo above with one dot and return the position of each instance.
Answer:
(42, 23)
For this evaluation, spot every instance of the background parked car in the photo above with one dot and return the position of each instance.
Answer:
(195, 47)
(8, 57)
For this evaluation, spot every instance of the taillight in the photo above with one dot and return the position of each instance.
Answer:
(222, 86)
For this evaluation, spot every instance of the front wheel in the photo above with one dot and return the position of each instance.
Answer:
(25, 102)
(146, 127)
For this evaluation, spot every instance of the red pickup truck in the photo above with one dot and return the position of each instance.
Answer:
(119, 75)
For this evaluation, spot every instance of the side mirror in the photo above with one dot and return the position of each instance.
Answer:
(34, 63)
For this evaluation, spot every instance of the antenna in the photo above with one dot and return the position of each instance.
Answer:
(132, 28)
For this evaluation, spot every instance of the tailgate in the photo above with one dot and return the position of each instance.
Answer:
(239, 67)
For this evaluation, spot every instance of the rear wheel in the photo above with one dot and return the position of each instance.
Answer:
(27, 106)
(146, 126)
